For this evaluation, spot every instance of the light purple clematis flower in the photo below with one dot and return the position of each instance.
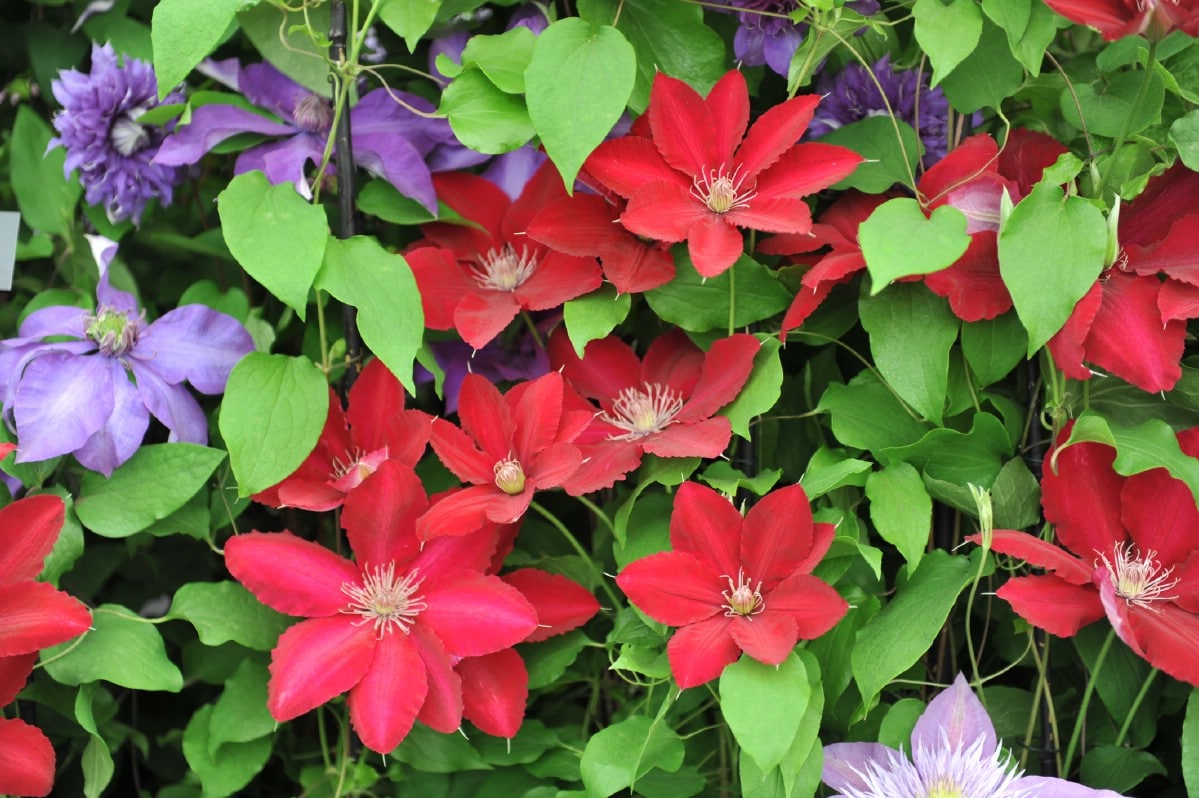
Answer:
(75, 396)
(954, 753)
(98, 126)
(765, 34)
(388, 137)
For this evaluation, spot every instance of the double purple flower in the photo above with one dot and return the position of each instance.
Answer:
(67, 377)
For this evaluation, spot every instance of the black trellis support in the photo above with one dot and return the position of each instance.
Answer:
(343, 158)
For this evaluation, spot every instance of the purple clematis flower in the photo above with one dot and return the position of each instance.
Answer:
(765, 34)
(389, 136)
(73, 394)
(98, 125)
(851, 95)
(954, 752)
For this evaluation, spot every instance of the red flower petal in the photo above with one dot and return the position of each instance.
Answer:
(698, 653)
(713, 245)
(442, 710)
(482, 315)
(773, 215)
(728, 115)
(583, 225)
(1160, 514)
(289, 574)
(495, 689)
(31, 526)
(442, 284)
(708, 438)
(672, 360)
(727, 366)
(449, 557)
(380, 516)
(602, 465)
(768, 637)
(477, 615)
(664, 211)
(26, 759)
(812, 604)
(1067, 346)
(559, 277)
(542, 188)
(1052, 604)
(383, 706)
(1128, 337)
(317, 660)
(535, 410)
(608, 365)
(672, 587)
(968, 161)
(1081, 496)
(561, 604)
(774, 133)
(374, 422)
(1040, 553)
(808, 299)
(706, 525)
(14, 672)
(626, 164)
(806, 168)
(681, 125)
(486, 417)
(1025, 156)
(457, 514)
(1178, 300)
(477, 199)
(972, 284)
(1186, 591)
(777, 535)
(1169, 638)
(35, 615)
(459, 453)
(554, 466)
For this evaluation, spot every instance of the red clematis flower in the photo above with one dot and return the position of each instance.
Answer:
(735, 584)
(354, 443)
(477, 277)
(663, 405)
(1115, 19)
(1131, 553)
(699, 176)
(33, 615)
(386, 627)
(1132, 323)
(508, 447)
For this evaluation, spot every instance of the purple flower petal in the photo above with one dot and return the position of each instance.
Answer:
(61, 401)
(284, 161)
(779, 49)
(269, 88)
(123, 431)
(1047, 787)
(173, 405)
(512, 170)
(115, 298)
(53, 320)
(842, 759)
(226, 71)
(193, 343)
(210, 125)
(955, 713)
(394, 159)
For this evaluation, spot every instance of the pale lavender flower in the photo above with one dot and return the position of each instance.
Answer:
(851, 95)
(66, 377)
(98, 126)
(954, 752)
(765, 34)
(389, 135)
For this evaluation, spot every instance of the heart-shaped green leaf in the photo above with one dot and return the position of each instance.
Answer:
(898, 241)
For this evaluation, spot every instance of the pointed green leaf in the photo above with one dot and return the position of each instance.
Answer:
(901, 510)
(121, 648)
(616, 756)
(232, 767)
(594, 315)
(763, 705)
(183, 32)
(44, 195)
(1184, 132)
(761, 391)
(948, 32)
(890, 147)
(699, 305)
(224, 611)
(483, 117)
(994, 347)
(503, 58)
(410, 19)
(898, 241)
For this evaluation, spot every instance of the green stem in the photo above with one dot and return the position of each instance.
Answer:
(732, 298)
(1136, 704)
(578, 547)
(528, 320)
(1076, 735)
(1150, 61)
(600, 514)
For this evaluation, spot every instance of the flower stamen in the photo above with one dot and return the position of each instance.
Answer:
(742, 599)
(642, 411)
(385, 601)
(313, 114)
(112, 330)
(509, 476)
(1138, 580)
(721, 190)
(503, 269)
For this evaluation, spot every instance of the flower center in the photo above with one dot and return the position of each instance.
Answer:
(509, 476)
(1139, 580)
(385, 601)
(126, 135)
(641, 411)
(503, 270)
(358, 465)
(944, 788)
(721, 190)
(112, 331)
(742, 598)
(313, 114)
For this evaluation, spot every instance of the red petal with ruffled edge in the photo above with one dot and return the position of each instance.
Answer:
(31, 528)
(700, 652)
(708, 438)
(1128, 337)
(457, 514)
(34, 615)
(805, 169)
(377, 418)
(1081, 496)
(1067, 346)
(543, 188)
(972, 284)
(459, 454)
(727, 366)
(448, 558)
(442, 284)
(1178, 300)
(14, 672)
(476, 199)
(777, 536)
(602, 465)
(673, 360)
(553, 466)
(380, 516)
(535, 410)
(1025, 156)
(706, 525)
(442, 710)
(768, 637)
(495, 689)
(26, 759)
(559, 278)
(774, 133)
(317, 660)
(626, 164)
(812, 604)
(728, 115)
(968, 161)
(713, 245)
(290, 574)
(665, 212)
(681, 122)
(486, 417)
(476, 614)
(772, 215)
(1169, 637)
(608, 366)
(1186, 592)
(1161, 516)
(561, 604)
(482, 315)
(384, 705)
(672, 587)
(805, 304)
(1040, 553)
(1052, 604)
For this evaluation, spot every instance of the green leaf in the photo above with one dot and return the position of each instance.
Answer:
(503, 58)
(958, 457)
(433, 752)
(911, 331)
(987, 77)
(1049, 227)
(275, 234)
(183, 32)
(901, 510)
(617, 756)
(1184, 133)
(763, 705)
(651, 662)
(890, 147)
(224, 611)
(668, 471)
(240, 714)
(380, 198)
(892, 641)
(593, 316)
(948, 32)
(409, 19)
(1190, 744)
(699, 305)
(155, 482)
(121, 648)
(1016, 496)
(272, 414)
(898, 241)
(726, 479)
(866, 414)
(359, 272)
(1151, 444)
(548, 660)
(830, 469)
(668, 36)
(761, 391)
(483, 117)
(96, 760)
(994, 347)
(282, 38)
(1118, 768)
(46, 198)
(1011, 15)
(234, 764)
(1030, 48)
(576, 86)
(1107, 104)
